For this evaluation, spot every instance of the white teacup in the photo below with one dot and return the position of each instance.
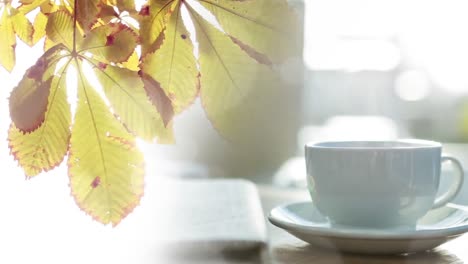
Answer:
(377, 184)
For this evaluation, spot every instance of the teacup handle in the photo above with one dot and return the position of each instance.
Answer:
(455, 187)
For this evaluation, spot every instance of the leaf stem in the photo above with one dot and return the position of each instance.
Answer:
(75, 11)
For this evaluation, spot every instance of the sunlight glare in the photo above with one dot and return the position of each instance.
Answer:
(71, 82)
(205, 13)
(94, 82)
(188, 23)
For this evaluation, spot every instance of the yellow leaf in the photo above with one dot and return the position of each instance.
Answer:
(12, 21)
(28, 101)
(133, 63)
(105, 167)
(29, 5)
(59, 28)
(40, 23)
(45, 147)
(159, 98)
(233, 85)
(125, 91)
(49, 6)
(8, 42)
(111, 42)
(173, 65)
(153, 19)
(268, 26)
(48, 43)
(22, 27)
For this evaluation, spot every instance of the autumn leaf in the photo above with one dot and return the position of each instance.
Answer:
(105, 167)
(232, 83)
(59, 28)
(111, 42)
(124, 5)
(12, 23)
(267, 26)
(38, 137)
(173, 65)
(153, 19)
(107, 13)
(40, 23)
(86, 12)
(158, 97)
(29, 100)
(124, 92)
(29, 5)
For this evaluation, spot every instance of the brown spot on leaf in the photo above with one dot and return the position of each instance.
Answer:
(96, 182)
(110, 40)
(102, 65)
(158, 98)
(183, 36)
(145, 10)
(259, 57)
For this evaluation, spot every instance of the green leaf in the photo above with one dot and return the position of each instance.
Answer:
(45, 147)
(233, 85)
(59, 28)
(22, 27)
(153, 19)
(268, 26)
(105, 167)
(125, 91)
(173, 65)
(40, 23)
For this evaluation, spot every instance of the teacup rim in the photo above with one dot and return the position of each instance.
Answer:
(339, 144)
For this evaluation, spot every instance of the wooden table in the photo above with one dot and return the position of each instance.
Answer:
(41, 224)
(284, 248)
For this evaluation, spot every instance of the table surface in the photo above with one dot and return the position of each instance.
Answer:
(41, 223)
(284, 248)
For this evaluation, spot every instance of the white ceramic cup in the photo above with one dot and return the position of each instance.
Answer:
(378, 184)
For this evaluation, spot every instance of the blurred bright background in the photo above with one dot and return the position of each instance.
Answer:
(369, 69)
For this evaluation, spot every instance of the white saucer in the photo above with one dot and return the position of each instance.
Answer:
(437, 227)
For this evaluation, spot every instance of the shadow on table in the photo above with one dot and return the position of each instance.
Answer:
(311, 254)
(212, 255)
